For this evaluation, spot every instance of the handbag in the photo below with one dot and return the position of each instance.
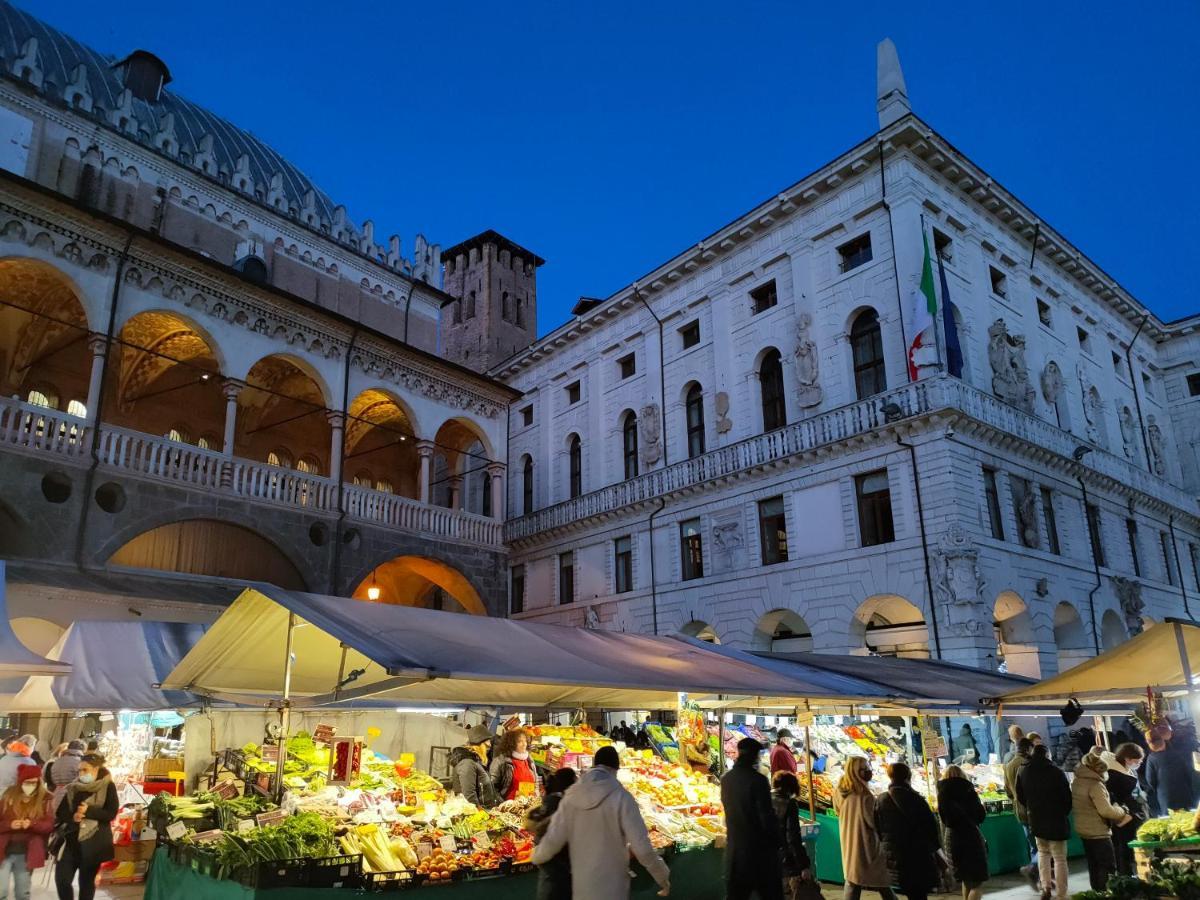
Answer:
(57, 840)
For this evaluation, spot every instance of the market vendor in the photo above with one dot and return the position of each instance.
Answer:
(782, 757)
(467, 774)
(512, 770)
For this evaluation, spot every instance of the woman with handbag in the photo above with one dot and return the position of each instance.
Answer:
(863, 862)
(962, 813)
(26, 819)
(85, 822)
(911, 841)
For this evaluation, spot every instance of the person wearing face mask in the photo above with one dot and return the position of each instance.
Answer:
(864, 865)
(86, 811)
(26, 819)
(782, 757)
(1124, 790)
(17, 753)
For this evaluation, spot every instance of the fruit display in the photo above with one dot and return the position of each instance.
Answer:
(1178, 826)
(440, 865)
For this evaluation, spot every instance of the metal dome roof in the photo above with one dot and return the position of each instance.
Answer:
(59, 56)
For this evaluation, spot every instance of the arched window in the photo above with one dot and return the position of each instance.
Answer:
(44, 397)
(283, 459)
(629, 445)
(866, 348)
(576, 465)
(486, 496)
(694, 406)
(178, 435)
(307, 464)
(527, 486)
(77, 408)
(770, 379)
(363, 479)
(385, 486)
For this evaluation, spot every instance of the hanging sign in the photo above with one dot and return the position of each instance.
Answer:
(323, 734)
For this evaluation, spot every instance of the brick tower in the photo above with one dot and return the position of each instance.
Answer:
(494, 311)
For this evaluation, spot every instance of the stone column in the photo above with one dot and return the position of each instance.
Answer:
(337, 425)
(97, 344)
(231, 389)
(425, 455)
(495, 472)
(456, 483)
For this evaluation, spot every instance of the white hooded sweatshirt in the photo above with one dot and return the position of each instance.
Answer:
(599, 822)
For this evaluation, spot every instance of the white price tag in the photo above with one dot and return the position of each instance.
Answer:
(481, 840)
(176, 830)
(448, 843)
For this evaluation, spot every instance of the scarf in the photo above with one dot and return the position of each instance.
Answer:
(516, 754)
(87, 793)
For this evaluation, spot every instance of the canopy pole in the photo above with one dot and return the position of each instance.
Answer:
(341, 670)
(720, 737)
(1181, 643)
(285, 713)
(808, 763)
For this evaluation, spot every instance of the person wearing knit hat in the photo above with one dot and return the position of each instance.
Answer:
(1095, 814)
(26, 820)
(17, 753)
(467, 773)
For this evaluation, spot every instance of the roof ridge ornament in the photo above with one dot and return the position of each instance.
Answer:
(891, 101)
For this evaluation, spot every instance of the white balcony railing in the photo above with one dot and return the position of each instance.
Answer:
(37, 430)
(928, 395)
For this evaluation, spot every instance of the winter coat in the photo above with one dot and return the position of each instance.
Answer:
(962, 813)
(8, 768)
(99, 847)
(1011, 769)
(910, 836)
(783, 759)
(554, 876)
(1094, 810)
(469, 778)
(599, 822)
(793, 855)
(1124, 790)
(752, 832)
(1170, 781)
(503, 771)
(1043, 789)
(863, 862)
(62, 772)
(37, 832)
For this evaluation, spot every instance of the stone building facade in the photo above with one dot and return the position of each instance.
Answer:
(734, 447)
(208, 373)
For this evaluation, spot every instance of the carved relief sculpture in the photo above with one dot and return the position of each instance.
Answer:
(724, 423)
(1092, 411)
(958, 585)
(1052, 383)
(1010, 376)
(1154, 437)
(1129, 595)
(1128, 433)
(728, 545)
(807, 364)
(650, 433)
(1026, 506)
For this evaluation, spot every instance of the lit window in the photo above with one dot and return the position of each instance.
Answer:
(178, 435)
(42, 398)
(203, 443)
(307, 465)
(283, 460)
(362, 479)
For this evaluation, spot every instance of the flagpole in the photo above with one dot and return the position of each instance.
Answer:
(938, 340)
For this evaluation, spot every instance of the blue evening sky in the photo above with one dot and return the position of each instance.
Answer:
(608, 137)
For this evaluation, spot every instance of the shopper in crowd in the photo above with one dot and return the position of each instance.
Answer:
(1012, 770)
(965, 747)
(641, 739)
(599, 823)
(863, 863)
(1095, 814)
(467, 774)
(554, 876)
(1046, 795)
(753, 840)
(910, 835)
(782, 757)
(58, 752)
(1035, 738)
(513, 773)
(1015, 733)
(962, 813)
(19, 752)
(1170, 775)
(1125, 791)
(64, 769)
(26, 819)
(793, 855)
(87, 811)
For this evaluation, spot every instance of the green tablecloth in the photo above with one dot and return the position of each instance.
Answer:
(696, 874)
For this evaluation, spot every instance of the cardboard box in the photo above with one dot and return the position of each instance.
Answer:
(162, 767)
(136, 851)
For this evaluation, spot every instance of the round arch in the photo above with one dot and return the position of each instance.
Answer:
(762, 354)
(1112, 630)
(1070, 637)
(889, 625)
(209, 547)
(701, 631)
(149, 325)
(381, 434)
(459, 432)
(782, 631)
(848, 324)
(696, 383)
(283, 405)
(1016, 643)
(299, 363)
(420, 581)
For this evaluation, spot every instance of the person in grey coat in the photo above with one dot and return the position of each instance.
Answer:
(467, 774)
(17, 753)
(64, 770)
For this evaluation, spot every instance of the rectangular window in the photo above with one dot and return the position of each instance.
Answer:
(1193, 383)
(689, 334)
(573, 393)
(855, 253)
(527, 416)
(566, 578)
(1051, 521)
(995, 520)
(516, 589)
(874, 508)
(1194, 553)
(764, 297)
(691, 545)
(456, 312)
(999, 281)
(1147, 385)
(1085, 340)
(1044, 314)
(1131, 532)
(943, 246)
(772, 531)
(1095, 535)
(623, 564)
(1116, 358)
(627, 365)
(1168, 555)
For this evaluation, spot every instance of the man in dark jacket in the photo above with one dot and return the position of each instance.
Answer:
(752, 864)
(910, 834)
(1046, 794)
(1170, 779)
(1012, 769)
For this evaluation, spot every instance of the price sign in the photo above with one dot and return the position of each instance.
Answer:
(323, 734)
(805, 719)
(481, 840)
(245, 825)
(207, 837)
(226, 790)
(448, 843)
(270, 753)
(274, 817)
(424, 850)
(176, 830)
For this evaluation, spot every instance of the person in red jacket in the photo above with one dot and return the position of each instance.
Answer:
(26, 820)
(782, 757)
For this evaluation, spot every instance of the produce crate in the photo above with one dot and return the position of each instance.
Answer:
(276, 873)
(1144, 853)
(335, 871)
(386, 882)
(162, 767)
(202, 862)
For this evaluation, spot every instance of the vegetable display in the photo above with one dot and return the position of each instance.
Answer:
(1178, 826)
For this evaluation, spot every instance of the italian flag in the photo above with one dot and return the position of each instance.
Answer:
(924, 303)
